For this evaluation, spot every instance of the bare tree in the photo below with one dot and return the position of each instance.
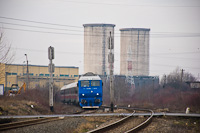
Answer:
(177, 76)
(6, 56)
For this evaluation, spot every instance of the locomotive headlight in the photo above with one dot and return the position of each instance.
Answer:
(97, 94)
(83, 94)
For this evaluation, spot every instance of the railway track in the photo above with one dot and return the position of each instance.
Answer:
(122, 123)
(14, 125)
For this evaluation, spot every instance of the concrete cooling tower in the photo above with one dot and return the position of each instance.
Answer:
(96, 51)
(134, 52)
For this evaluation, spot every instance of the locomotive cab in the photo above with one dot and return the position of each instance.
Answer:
(90, 91)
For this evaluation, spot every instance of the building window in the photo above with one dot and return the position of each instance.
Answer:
(47, 75)
(41, 75)
(75, 75)
(66, 75)
(11, 73)
(62, 75)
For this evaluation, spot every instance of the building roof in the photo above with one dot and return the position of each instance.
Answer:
(42, 66)
(98, 25)
(134, 29)
(89, 78)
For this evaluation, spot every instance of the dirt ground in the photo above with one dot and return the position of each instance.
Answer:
(173, 125)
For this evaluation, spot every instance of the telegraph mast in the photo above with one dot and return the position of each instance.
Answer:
(51, 71)
(111, 61)
(27, 73)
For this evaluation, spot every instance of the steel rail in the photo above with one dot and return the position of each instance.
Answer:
(103, 114)
(142, 125)
(14, 125)
(112, 125)
(137, 128)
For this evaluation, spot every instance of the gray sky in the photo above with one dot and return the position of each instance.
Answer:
(174, 24)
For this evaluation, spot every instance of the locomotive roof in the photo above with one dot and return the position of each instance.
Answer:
(72, 85)
(90, 78)
(89, 74)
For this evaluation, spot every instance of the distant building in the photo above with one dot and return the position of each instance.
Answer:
(194, 85)
(134, 55)
(145, 82)
(96, 37)
(38, 75)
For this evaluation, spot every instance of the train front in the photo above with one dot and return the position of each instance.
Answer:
(90, 91)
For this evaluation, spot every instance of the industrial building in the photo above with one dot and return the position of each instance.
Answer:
(134, 52)
(38, 75)
(96, 40)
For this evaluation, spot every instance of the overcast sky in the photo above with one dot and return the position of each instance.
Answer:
(174, 35)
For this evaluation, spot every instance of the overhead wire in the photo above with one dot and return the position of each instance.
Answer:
(63, 52)
(39, 22)
(62, 33)
(120, 4)
(152, 54)
(40, 27)
(158, 34)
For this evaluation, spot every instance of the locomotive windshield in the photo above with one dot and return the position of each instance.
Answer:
(95, 83)
(85, 84)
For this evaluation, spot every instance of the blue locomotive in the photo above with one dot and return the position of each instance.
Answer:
(87, 92)
(90, 91)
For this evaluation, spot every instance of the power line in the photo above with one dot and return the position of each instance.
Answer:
(39, 22)
(63, 52)
(127, 34)
(154, 36)
(154, 33)
(40, 31)
(116, 4)
(39, 27)
(174, 66)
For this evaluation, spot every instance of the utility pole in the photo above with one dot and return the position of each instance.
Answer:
(51, 71)
(182, 75)
(27, 73)
(111, 61)
(165, 78)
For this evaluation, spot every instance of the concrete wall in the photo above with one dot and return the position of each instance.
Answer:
(96, 47)
(2, 73)
(135, 49)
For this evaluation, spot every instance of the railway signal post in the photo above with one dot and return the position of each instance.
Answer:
(27, 73)
(51, 71)
(111, 61)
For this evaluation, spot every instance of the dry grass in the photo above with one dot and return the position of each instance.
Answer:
(85, 127)
(14, 106)
(92, 122)
(96, 119)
